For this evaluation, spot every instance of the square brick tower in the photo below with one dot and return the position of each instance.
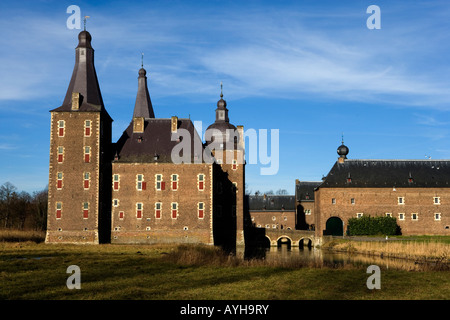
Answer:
(79, 189)
(226, 142)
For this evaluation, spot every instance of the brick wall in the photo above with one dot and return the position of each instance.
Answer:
(74, 206)
(379, 201)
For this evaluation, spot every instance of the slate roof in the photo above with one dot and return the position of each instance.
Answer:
(84, 79)
(389, 173)
(155, 140)
(304, 190)
(143, 106)
(271, 202)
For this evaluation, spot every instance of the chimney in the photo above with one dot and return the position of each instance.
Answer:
(75, 100)
(174, 126)
(138, 125)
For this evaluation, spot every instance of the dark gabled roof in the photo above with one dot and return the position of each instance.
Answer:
(304, 190)
(155, 140)
(271, 202)
(389, 173)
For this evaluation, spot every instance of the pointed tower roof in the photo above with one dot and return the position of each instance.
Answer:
(143, 106)
(84, 79)
(222, 124)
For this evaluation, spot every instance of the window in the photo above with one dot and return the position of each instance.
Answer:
(60, 154)
(436, 200)
(437, 216)
(121, 215)
(388, 214)
(174, 182)
(87, 154)
(274, 218)
(58, 210)
(401, 216)
(61, 124)
(85, 210)
(333, 201)
(115, 202)
(201, 210)
(87, 128)
(59, 181)
(352, 200)
(201, 182)
(359, 215)
(307, 212)
(401, 200)
(86, 180)
(158, 208)
(414, 216)
(234, 165)
(116, 180)
(139, 210)
(174, 210)
(159, 183)
(140, 183)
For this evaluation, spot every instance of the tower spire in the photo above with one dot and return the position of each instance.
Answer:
(143, 107)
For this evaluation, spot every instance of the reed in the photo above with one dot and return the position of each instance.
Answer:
(11, 235)
(423, 250)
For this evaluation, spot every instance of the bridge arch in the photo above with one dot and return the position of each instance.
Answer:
(284, 239)
(305, 242)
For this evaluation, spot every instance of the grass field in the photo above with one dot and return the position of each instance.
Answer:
(31, 270)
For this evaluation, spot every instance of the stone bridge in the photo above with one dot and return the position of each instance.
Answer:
(294, 238)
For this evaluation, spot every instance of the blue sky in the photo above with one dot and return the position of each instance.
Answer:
(311, 69)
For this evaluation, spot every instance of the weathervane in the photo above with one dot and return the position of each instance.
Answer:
(142, 59)
(85, 17)
(221, 89)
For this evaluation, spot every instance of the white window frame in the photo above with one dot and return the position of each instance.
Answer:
(401, 200)
(401, 216)
(417, 216)
(438, 200)
(437, 213)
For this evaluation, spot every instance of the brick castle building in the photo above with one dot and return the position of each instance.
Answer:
(159, 183)
(415, 192)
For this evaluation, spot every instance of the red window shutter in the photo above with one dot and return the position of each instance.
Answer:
(200, 214)
(59, 184)
(85, 213)
(61, 132)
(121, 215)
(58, 214)
(158, 214)
(174, 214)
(144, 185)
(139, 214)
(86, 158)
(174, 185)
(60, 158)
(234, 166)
(88, 132)
(200, 185)
(163, 185)
(86, 184)
(116, 185)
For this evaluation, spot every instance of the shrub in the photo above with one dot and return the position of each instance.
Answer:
(368, 225)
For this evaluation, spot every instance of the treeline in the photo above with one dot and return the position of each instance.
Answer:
(20, 210)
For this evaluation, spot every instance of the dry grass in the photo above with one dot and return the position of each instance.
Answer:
(8, 235)
(415, 250)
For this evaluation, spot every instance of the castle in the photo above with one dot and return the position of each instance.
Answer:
(159, 183)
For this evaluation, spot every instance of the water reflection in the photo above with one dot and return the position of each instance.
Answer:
(318, 257)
